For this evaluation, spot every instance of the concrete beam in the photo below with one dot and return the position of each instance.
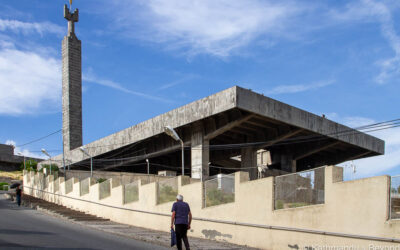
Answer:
(227, 127)
(315, 150)
(358, 156)
(281, 138)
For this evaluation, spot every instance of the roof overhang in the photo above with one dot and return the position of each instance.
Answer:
(230, 99)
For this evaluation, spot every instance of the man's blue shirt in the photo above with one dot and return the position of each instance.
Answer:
(181, 210)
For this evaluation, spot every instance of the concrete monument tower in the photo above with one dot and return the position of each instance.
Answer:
(71, 84)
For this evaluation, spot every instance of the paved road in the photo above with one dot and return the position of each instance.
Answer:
(24, 228)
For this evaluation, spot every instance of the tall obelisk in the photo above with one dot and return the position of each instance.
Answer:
(71, 84)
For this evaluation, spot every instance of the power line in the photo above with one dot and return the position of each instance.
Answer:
(39, 139)
(311, 138)
(362, 129)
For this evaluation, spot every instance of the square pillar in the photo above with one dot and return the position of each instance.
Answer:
(200, 154)
(249, 161)
(288, 164)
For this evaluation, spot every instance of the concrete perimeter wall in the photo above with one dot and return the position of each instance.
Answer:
(357, 208)
(119, 178)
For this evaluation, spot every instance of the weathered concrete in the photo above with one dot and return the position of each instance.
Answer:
(288, 164)
(6, 149)
(270, 108)
(200, 154)
(249, 161)
(71, 85)
(223, 101)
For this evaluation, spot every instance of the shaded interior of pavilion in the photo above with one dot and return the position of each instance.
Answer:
(228, 142)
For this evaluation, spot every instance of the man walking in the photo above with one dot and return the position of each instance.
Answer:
(182, 217)
(18, 194)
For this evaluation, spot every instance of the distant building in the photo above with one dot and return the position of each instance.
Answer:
(9, 161)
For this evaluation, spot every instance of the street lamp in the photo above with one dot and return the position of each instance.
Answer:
(148, 166)
(45, 152)
(171, 132)
(91, 159)
(20, 154)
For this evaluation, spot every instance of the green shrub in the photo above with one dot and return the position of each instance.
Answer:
(100, 180)
(54, 168)
(279, 204)
(217, 196)
(2, 186)
(30, 165)
(166, 194)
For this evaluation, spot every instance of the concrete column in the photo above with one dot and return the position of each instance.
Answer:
(287, 163)
(249, 160)
(200, 154)
(71, 88)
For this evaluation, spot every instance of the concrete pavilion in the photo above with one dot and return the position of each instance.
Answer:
(235, 129)
(226, 130)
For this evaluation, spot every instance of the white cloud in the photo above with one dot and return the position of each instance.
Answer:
(24, 152)
(90, 77)
(373, 165)
(290, 89)
(357, 121)
(27, 81)
(372, 11)
(177, 82)
(204, 26)
(28, 28)
(378, 164)
(30, 78)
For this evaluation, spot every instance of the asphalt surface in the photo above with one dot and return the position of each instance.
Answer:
(25, 228)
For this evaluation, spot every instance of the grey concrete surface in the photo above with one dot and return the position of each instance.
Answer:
(24, 228)
(71, 84)
(228, 99)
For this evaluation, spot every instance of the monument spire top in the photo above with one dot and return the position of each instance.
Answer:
(72, 18)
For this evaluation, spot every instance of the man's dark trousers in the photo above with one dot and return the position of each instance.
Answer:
(181, 234)
(18, 200)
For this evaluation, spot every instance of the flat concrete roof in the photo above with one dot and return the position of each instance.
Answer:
(232, 98)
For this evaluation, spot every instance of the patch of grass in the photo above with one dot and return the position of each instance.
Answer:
(298, 204)
(15, 175)
(2, 186)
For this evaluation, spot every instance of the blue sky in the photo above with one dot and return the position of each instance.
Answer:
(142, 58)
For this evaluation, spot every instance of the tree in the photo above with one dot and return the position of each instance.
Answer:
(30, 165)
(54, 168)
